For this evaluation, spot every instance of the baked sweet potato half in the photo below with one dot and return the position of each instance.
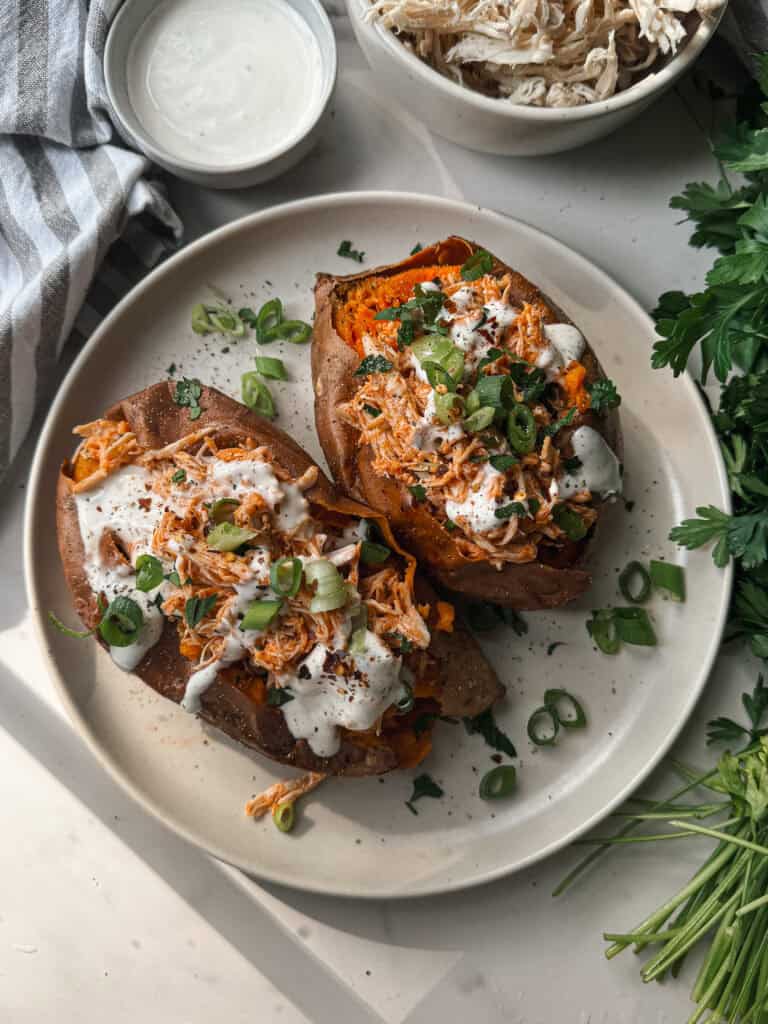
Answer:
(212, 558)
(453, 397)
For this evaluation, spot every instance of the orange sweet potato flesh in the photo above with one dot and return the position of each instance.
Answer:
(236, 702)
(558, 576)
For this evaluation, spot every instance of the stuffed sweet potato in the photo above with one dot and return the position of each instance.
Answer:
(212, 557)
(453, 397)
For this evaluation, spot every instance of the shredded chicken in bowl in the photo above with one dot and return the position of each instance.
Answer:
(544, 53)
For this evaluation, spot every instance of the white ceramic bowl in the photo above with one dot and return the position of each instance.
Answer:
(496, 126)
(123, 31)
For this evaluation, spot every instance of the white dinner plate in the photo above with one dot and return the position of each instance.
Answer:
(357, 837)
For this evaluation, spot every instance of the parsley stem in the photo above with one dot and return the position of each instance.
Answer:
(761, 901)
(724, 837)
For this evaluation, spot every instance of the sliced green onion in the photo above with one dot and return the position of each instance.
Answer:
(273, 369)
(669, 577)
(228, 537)
(570, 522)
(372, 553)
(149, 572)
(437, 374)
(543, 727)
(226, 321)
(284, 815)
(445, 406)
(268, 317)
(259, 614)
(521, 429)
(221, 510)
(436, 348)
(330, 592)
(76, 634)
(478, 264)
(497, 391)
(285, 576)
(295, 331)
(121, 622)
(201, 323)
(479, 420)
(357, 640)
(472, 402)
(602, 628)
(499, 782)
(634, 627)
(635, 571)
(256, 395)
(405, 701)
(554, 699)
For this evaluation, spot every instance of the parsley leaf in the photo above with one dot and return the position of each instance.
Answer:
(514, 508)
(486, 726)
(603, 395)
(423, 785)
(564, 421)
(725, 730)
(417, 248)
(502, 462)
(188, 392)
(345, 249)
(418, 491)
(373, 364)
(196, 608)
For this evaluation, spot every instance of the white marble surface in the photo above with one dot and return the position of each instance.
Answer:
(105, 916)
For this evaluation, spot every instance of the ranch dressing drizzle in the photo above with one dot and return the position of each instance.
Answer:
(323, 700)
(600, 470)
(224, 83)
(478, 510)
(114, 506)
(565, 345)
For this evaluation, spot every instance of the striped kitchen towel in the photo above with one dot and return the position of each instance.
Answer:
(68, 190)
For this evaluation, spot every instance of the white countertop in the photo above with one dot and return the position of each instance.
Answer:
(106, 916)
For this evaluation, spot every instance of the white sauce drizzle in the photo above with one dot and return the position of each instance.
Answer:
(566, 345)
(323, 701)
(478, 510)
(429, 433)
(224, 83)
(600, 469)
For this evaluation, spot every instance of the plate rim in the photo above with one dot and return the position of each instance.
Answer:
(36, 485)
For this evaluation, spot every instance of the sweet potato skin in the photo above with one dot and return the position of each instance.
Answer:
(157, 420)
(553, 580)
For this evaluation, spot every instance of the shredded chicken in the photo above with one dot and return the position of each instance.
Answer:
(289, 789)
(544, 53)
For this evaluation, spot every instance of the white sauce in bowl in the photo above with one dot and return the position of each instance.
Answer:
(224, 84)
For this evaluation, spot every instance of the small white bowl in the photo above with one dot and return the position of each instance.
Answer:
(497, 126)
(123, 30)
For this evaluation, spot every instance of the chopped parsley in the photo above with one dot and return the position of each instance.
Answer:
(405, 646)
(179, 476)
(449, 525)
(515, 508)
(196, 608)
(174, 578)
(372, 410)
(373, 364)
(345, 249)
(277, 697)
(417, 248)
(478, 264)
(572, 464)
(418, 491)
(603, 395)
(502, 463)
(423, 785)
(486, 726)
(188, 392)
(171, 369)
(564, 421)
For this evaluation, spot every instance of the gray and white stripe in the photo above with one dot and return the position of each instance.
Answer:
(68, 191)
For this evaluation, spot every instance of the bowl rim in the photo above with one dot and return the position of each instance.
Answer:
(130, 125)
(645, 88)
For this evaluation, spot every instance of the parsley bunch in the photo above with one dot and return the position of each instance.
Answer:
(728, 321)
